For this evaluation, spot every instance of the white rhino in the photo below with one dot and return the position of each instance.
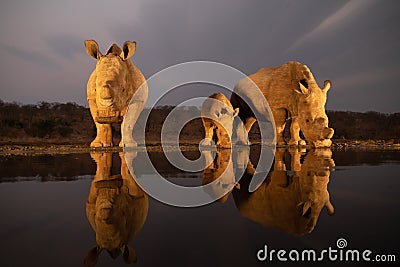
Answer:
(116, 209)
(289, 200)
(291, 92)
(218, 117)
(110, 89)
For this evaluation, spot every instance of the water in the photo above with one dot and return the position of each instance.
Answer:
(47, 205)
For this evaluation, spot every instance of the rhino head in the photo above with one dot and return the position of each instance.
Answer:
(313, 184)
(312, 118)
(218, 109)
(111, 80)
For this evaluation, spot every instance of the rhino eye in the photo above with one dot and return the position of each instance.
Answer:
(307, 120)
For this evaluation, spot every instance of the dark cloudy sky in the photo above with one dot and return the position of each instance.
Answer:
(356, 44)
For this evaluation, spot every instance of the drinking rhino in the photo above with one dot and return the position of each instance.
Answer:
(291, 92)
(218, 117)
(110, 88)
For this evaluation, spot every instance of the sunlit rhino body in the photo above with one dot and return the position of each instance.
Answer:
(291, 92)
(289, 200)
(218, 116)
(111, 87)
(116, 209)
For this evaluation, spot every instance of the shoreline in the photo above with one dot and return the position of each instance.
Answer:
(44, 148)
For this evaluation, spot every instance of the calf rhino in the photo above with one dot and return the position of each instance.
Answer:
(218, 116)
(290, 200)
(116, 209)
(291, 92)
(111, 86)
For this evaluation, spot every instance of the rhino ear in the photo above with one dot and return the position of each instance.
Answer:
(128, 50)
(92, 49)
(129, 255)
(114, 49)
(306, 207)
(327, 85)
(330, 208)
(301, 89)
(91, 257)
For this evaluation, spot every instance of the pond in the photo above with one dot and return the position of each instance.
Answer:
(85, 208)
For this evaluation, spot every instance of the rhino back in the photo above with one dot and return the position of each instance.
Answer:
(276, 84)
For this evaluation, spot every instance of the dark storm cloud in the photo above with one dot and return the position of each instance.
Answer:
(247, 35)
(66, 46)
(35, 58)
(357, 49)
(353, 43)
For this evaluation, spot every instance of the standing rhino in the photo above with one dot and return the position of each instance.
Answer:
(218, 116)
(290, 200)
(110, 89)
(116, 209)
(291, 92)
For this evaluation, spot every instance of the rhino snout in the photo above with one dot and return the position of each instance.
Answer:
(329, 132)
(105, 92)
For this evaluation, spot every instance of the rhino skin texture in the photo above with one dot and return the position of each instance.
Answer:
(218, 116)
(292, 93)
(110, 88)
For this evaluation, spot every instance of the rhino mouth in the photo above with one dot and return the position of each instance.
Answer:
(108, 116)
(322, 143)
(329, 133)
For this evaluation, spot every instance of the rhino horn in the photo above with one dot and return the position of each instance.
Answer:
(114, 49)
(92, 49)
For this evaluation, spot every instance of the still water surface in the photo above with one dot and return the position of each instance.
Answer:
(67, 209)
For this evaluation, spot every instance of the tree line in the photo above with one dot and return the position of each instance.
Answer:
(70, 123)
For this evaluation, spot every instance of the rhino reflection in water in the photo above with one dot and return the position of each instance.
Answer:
(289, 200)
(223, 168)
(116, 209)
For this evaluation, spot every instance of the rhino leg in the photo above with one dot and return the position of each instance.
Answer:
(242, 136)
(295, 155)
(249, 123)
(104, 132)
(295, 134)
(127, 134)
(209, 131)
(103, 137)
(223, 139)
(131, 116)
(280, 121)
